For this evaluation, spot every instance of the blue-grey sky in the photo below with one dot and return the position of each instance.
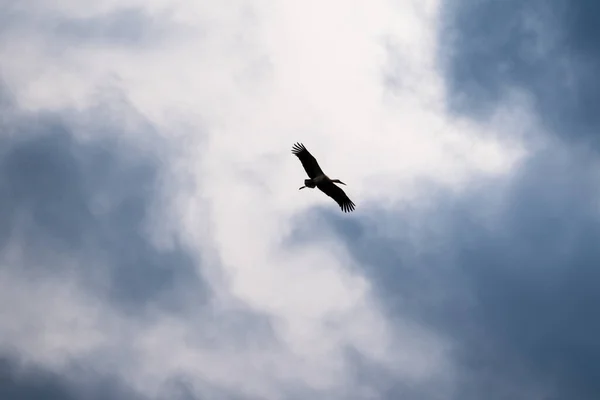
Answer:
(154, 245)
(546, 48)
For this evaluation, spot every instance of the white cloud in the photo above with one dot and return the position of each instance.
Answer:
(236, 84)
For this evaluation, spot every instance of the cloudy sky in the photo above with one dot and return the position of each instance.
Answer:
(154, 244)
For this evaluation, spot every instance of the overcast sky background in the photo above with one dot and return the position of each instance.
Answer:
(154, 244)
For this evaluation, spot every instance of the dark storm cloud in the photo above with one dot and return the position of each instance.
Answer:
(84, 208)
(516, 286)
(19, 382)
(538, 290)
(548, 48)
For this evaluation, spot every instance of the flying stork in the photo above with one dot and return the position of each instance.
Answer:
(320, 180)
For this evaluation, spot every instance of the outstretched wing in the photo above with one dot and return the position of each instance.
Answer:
(308, 161)
(336, 193)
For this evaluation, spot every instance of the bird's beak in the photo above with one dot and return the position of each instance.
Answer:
(302, 187)
(342, 182)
